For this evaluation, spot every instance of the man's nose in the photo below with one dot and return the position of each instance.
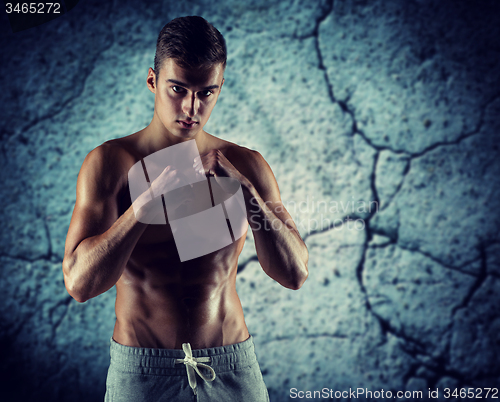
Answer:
(190, 105)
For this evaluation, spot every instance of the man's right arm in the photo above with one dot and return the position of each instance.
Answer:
(99, 241)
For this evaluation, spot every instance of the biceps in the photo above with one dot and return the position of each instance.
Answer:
(88, 220)
(267, 187)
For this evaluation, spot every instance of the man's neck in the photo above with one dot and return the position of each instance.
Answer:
(155, 137)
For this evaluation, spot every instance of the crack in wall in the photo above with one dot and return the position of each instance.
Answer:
(332, 226)
(243, 265)
(86, 74)
(459, 268)
(321, 64)
(412, 346)
(62, 107)
(305, 336)
(436, 372)
(384, 325)
(438, 365)
(399, 186)
(344, 106)
(413, 155)
(480, 279)
(461, 137)
(47, 258)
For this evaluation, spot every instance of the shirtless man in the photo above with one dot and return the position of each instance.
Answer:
(173, 317)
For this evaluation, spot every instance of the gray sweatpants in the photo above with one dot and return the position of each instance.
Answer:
(154, 375)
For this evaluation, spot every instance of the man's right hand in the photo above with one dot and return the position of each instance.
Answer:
(148, 207)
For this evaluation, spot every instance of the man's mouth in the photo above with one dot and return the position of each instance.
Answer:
(187, 124)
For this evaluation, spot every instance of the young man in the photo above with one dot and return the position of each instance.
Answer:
(180, 333)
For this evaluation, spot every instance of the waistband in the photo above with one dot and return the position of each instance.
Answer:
(164, 361)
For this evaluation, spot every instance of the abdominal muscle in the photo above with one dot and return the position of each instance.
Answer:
(163, 303)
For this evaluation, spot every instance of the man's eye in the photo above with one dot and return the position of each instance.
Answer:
(177, 89)
(206, 93)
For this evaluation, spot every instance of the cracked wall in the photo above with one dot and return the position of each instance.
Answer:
(385, 113)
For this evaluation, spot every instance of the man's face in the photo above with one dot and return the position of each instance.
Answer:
(185, 98)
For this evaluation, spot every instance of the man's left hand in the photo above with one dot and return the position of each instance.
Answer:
(214, 163)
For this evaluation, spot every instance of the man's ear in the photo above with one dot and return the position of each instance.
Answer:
(221, 84)
(151, 80)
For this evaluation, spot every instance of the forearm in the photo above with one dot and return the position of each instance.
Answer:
(98, 262)
(281, 251)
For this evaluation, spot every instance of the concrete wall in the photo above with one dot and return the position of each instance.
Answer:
(381, 122)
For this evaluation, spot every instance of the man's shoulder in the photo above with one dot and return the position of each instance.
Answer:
(236, 152)
(108, 163)
(113, 153)
(249, 162)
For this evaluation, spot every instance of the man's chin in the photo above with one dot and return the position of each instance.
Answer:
(186, 133)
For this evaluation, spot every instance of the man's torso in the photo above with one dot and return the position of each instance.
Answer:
(162, 302)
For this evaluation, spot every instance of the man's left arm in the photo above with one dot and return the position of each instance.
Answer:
(281, 251)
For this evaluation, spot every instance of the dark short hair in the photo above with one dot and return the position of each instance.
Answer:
(192, 42)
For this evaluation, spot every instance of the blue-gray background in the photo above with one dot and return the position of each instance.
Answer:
(393, 102)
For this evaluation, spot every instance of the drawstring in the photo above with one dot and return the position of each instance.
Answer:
(192, 364)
